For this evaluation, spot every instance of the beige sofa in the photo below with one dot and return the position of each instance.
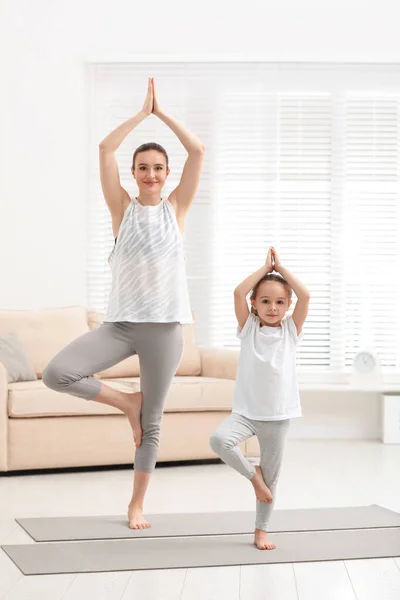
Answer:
(41, 428)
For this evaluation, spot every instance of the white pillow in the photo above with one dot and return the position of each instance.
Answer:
(14, 359)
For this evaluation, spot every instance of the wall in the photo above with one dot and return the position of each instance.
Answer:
(43, 117)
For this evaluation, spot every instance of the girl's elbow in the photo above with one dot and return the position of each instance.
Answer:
(238, 293)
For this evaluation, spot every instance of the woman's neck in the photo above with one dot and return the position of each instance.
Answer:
(148, 200)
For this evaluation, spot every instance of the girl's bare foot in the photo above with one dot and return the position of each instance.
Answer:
(263, 493)
(261, 540)
(133, 411)
(136, 518)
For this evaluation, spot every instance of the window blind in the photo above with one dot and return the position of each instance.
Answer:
(303, 157)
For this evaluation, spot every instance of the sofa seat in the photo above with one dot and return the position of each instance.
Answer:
(195, 394)
(44, 429)
(188, 394)
(34, 399)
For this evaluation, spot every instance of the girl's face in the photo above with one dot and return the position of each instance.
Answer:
(271, 302)
(150, 172)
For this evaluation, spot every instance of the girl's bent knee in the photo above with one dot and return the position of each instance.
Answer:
(217, 443)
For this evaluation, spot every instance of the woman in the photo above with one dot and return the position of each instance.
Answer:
(149, 300)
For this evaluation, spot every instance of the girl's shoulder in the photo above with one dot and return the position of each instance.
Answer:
(252, 323)
(289, 325)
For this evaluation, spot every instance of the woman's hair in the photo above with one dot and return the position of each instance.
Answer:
(149, 146)
(270, 277)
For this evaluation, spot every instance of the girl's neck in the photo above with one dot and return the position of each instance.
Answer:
(275, 325)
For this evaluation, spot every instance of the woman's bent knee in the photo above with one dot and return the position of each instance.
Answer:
(59, 377)
(49, 377)
(54, 377)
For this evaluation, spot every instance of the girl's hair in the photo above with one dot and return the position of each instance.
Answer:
(149, 146)
(270, 277)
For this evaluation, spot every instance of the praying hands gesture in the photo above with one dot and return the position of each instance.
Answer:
(276, 260)
(269, 264)
(151, 104)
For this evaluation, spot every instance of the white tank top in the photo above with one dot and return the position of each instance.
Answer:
(148, 267)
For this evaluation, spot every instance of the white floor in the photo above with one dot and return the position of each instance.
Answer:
(315, 474)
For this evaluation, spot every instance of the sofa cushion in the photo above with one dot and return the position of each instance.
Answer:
(187, 394)
(191, 360)
(189, 365)
(192, 394)
(34, 399)
(44, 332)
(13, 357)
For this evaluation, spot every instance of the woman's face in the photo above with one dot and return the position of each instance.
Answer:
(150, 172)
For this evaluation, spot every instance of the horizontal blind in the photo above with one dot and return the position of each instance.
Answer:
(304, 201)
(371, 224)
(303, 157)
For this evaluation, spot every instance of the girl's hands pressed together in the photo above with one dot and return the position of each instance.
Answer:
(276, 260)
(268, 262)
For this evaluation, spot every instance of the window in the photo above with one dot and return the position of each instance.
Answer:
(303, 157)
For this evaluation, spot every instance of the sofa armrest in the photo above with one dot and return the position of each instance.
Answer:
(220, 363)
(3, 417)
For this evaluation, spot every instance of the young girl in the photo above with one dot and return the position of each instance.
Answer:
(266, 393)
(149, 300)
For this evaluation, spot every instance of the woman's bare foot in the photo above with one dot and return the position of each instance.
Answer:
(261, 540)
(136, 518)
(133, 411)
(263, 493)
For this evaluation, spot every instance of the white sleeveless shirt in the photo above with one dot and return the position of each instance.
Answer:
(148, 267)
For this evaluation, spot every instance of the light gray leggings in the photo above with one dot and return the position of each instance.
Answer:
(271, 436)
(159, 347)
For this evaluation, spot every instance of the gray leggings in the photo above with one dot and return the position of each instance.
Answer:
(271, 436)
(159, 347)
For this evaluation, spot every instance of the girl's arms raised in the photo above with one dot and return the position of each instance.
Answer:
(303, 295)
(241, 291)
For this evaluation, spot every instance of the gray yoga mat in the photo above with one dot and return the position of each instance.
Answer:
(53, 529)
(172, 553)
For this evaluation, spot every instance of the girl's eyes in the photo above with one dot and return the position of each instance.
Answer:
(266, 301)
